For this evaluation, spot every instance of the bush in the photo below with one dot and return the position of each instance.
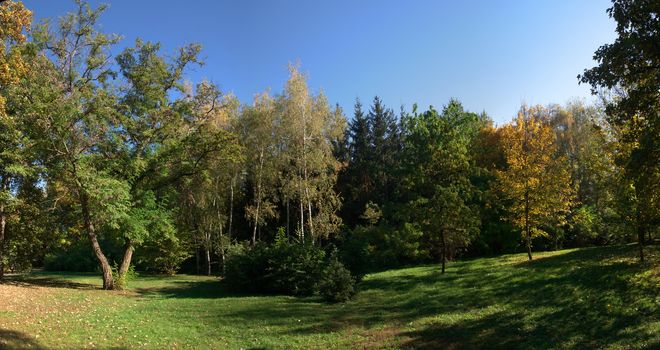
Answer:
(287, 268)
(369, 248)
(337, 284)
(76, 258)
(246, 266)
(282, 268)
(163, 255)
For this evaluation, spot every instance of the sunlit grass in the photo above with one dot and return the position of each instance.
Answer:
(587, 298)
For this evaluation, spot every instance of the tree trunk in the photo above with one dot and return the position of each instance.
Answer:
(222, 260)
(231, 207)
(528, 234)
(287, 218)
(3, 224)
(197, 261)
(258, 198)
(128, 256)
(444, 250)
(207, 253)
(125, 265)
(108, 282)
(640, 237)
(302, 212)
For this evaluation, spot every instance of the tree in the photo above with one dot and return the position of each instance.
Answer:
(309, 129)
(583, 138)
(355, 179)
(205, 204)
(383, 152)
(72, 119)
(15, 19)
(259, 135)
(536, 178)
(631, 67)
(438, 166)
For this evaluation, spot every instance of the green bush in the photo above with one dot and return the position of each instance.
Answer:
(77, 258)
(163, 255)
(369, 248)
(246, 266)
(288, 268)
(337, 284)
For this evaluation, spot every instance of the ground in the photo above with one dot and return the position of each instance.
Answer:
(571, 299)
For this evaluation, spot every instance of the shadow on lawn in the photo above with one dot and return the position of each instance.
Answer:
(208, 289)
(46, 282)
(14, 340)
(579, 299)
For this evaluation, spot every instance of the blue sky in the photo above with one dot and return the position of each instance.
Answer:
(491, 55)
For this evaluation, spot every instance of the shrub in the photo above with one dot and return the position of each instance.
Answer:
(289, 268)
(246, 266)
(77, 258)
(337, 284)
(163, 255)
(121, 282)
(369, 248)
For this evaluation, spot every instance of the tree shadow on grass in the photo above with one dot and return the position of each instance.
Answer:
(13, 340)
(188, 290)
(579, 299)
(29, 281)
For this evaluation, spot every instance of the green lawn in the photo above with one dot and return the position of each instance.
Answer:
(587, 298)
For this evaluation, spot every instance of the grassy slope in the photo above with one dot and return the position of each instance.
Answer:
(588, 298)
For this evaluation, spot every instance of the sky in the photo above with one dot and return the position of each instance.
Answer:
(492, 55)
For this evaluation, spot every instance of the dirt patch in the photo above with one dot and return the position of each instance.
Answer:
(382, 338)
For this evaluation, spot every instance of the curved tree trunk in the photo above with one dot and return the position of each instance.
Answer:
(108, 282)
(125, 265)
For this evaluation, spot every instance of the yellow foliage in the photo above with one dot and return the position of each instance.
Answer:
(15, 20)
(536, 179)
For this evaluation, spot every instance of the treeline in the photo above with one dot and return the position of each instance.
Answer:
(122, 153)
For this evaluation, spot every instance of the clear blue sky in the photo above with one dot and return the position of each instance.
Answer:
(491, 55)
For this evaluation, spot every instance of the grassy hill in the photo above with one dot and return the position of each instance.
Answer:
(574, 299)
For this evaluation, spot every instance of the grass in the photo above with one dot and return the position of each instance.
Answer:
(570, 299)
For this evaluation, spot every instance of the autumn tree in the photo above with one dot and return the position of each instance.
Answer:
(309, 128)
(536, 178)
(15, 19)
(259, 133)
(204, 200)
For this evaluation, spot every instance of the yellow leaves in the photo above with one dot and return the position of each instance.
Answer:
(15, 19)
(536, 178)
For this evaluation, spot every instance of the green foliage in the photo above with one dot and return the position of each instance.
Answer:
(121, 280)
(163, 255)
(337, 284)
(369, 248)
(76, 258)
(288, 268)
(630, 69)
